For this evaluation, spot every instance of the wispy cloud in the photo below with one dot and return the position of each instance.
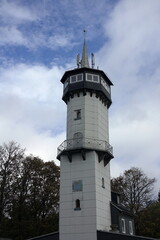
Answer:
(50, 24)
(15, 12)
(11, 36)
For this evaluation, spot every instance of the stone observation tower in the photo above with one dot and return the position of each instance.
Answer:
(84, 156)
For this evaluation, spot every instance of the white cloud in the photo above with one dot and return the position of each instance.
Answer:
(52, 25)
(31, 81)
(59, 41)
(31, 112)
(131, 59)
(14, 11)
(16, 19)
(11, 36)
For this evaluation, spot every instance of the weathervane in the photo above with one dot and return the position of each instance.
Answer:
(84, 33)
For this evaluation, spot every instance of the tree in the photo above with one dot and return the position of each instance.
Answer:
(35, 207)
(29, 194)
(135, 188)
(11, 156)
(149, 221)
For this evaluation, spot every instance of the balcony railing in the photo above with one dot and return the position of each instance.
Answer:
(85, 143)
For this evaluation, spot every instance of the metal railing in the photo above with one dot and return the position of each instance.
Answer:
(87, 143)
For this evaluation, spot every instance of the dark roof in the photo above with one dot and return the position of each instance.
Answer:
(102, 235)
(79, 70)
(122, 209)
(117, 193)
(50, 236)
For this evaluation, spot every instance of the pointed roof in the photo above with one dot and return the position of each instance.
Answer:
(84, 62)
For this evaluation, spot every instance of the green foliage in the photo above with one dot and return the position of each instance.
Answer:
(149, 221)
(29, 194)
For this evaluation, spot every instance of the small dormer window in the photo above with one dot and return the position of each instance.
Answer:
(89, 77)
(105, 85)
(73, 79)
(92, 78)
(95, 78)
(79, 77)
(66, 83)
(76, 78)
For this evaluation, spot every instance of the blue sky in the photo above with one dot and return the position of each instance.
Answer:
(39, 41)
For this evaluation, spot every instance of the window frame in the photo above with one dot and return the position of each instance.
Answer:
(97, 78)
(123, 225)
(79, 185)
(71, 77)
(66, 83)
(92, 78)
(78, 114)
(76, 78)
(130, 227)
(118, 199)
(105, 85)
(79, 75)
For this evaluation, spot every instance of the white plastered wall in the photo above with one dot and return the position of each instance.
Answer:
(94, 117)
(79, 224)
(95, 200)
(103, 196)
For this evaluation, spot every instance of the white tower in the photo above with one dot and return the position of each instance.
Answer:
(85, 154)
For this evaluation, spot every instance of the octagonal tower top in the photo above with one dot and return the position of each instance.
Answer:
(86, 79)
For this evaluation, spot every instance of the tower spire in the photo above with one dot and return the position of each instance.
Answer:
(84, 62)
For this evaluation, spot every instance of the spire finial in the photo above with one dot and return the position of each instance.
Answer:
(84, 62)
(84, 34)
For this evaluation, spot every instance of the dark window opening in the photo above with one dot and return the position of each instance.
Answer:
(77, 205)
(77, 114)
(103, 185)
(77, 186)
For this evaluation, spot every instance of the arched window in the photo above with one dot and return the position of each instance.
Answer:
(77, 135)
(77, 205)
(130, 227)
(123, 226)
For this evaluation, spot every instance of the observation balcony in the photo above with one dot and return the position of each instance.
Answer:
(103, 148)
